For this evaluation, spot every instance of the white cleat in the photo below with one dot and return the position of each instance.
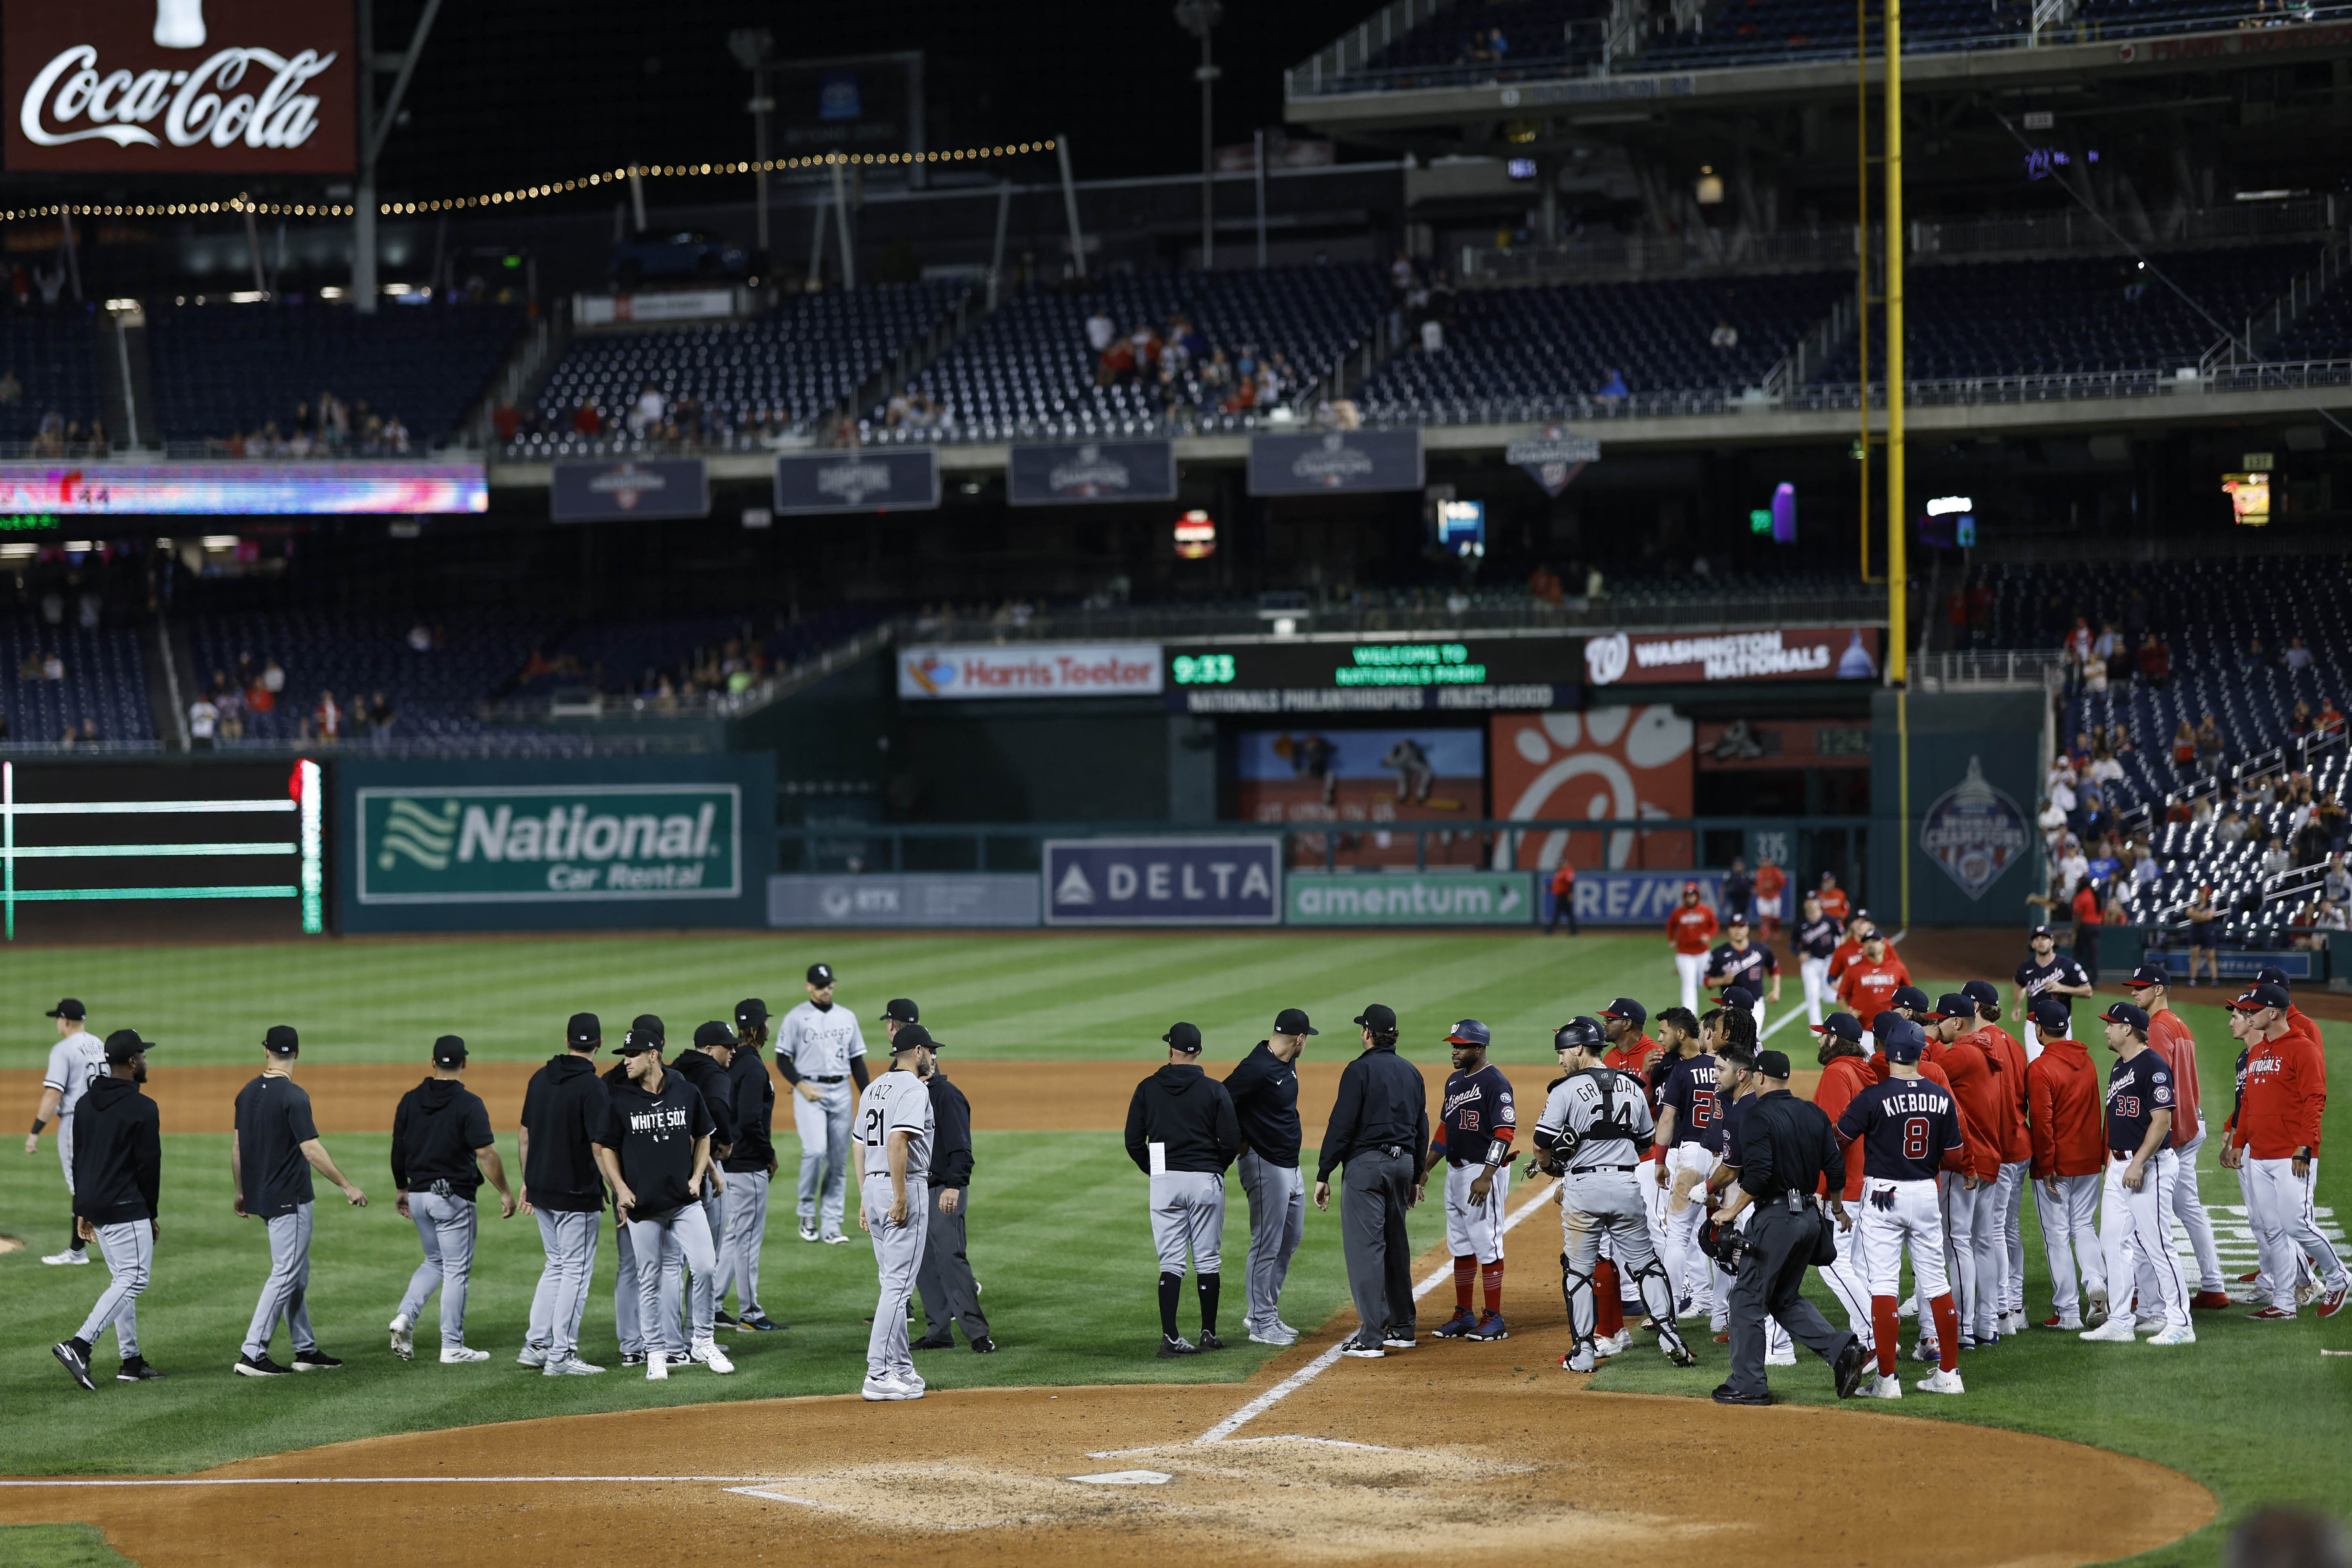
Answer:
(1942, 1383)
(1887, 1387)
(569, 1366)
(1275, 1339)
(531, 1355)
(2184, 1335)
(1909, 1309)
(879, 1389)
(1781, 1358)
(1617, 1343)
(834, 1240)
(808, 1230)
(2115, 1331)
(68, 1259)
(404, 1337)
(707, 1352)
(657, 1367)
(454, 1355)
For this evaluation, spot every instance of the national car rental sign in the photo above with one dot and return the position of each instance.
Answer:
(179, 85)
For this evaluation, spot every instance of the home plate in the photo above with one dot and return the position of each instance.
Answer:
(1127, 1478)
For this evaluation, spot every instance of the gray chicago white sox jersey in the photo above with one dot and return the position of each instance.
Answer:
(75, 1063)
(820, 1044)
(896, 1102)
(1599, 1117)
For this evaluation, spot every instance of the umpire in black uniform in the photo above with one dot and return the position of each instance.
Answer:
(1786, 1146)
(943, 1279)
(1378, 1129)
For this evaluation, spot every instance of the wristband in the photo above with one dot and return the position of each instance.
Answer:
(39, 1122)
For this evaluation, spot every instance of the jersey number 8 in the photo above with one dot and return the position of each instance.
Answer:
(1915, 1138)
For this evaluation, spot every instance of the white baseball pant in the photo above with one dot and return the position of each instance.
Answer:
(2286, 1229)
(2189, 1208)
(1473, 1228)
(2069, 1232)
(2139, 1246)
(1692, 968)
(1816, 972)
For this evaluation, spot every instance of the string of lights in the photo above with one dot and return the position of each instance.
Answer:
(245, 204)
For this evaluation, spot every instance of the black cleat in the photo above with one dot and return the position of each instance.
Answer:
(259, 1366)
(721, 1320)
(1176, 1347)
(1848, 1367)
(984, 1346)
(1724, 1395)
(136, 1369)
(759, 1325)
(1210, 1341)
(315, 1360)
(934, 1342)
(76, 1364)
(635, 1358)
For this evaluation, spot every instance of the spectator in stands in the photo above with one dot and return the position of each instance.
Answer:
(396, 435)
(1980, 607)
(328, 718)
(49, 441)
(230, 700)
(2073, 868)
(1726, 335)
(1433, 335)
(2331, 823)
(2255, 657)
(2089, 911)
(2327, 721)
(2078, 650)
(586, 420)
(2232, 828)
(2299, 721)
(2276, 861)
(2336, 881)
(1544, 583)
(2209, 744)
(2181, 812)
(203, 719)
(1100, 329)
(2117, 910)
(2184, 746)
(2052, 823)
(2155, 660)
(2298, 656)
(357, 717)
(2204, 926)
(53, 667)
(381, 714)
(506, 420)
(12, 391)
(648, 412)
(2146, 873)
(1612, 387)
(1115, 366)
(2104, 766)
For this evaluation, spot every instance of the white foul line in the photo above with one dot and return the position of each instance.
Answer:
(371, 1481)
(1313, 1368)
(1778, 1024)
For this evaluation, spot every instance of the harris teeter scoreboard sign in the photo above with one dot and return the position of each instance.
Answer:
(1341, 675)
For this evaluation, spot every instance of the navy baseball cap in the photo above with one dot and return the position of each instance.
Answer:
(1379, 1017)
(904, 1011)
(1739, 996)
(124, 1043)
(2039, 931)
(585, 1029)
(2268, 974)
(1181, 1037)
(282, 1040)
(1952, 1005)
(1909, 996)
(1890, 1019)
(1904, 1041)
(2050, 1014)
(909, 1035)
(1469, 1032)
(449, 1051)
(1737, 919)
(1626, 1008)
(1982, 991)
(2257, 998)
(713, 1034)
(1845, 1026)
(1772, 1064)
(2149, 974)
(1293, 1021)
(820, 976)
(70, 1007)
(2126, 1013)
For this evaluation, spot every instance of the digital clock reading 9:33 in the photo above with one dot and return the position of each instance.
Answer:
(1202, 669)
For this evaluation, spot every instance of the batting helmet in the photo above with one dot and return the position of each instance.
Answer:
(1578, 1034)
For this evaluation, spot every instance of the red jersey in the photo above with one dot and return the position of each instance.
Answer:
(1842, 1079)
(1843, 953)
(2069, 1115)
(1976, 1086)
(1834, 904)
(2016, 1135)
(2287, 1090)
(1631, 1057)
(1563, 881)
(2169, 1034)
(1769, 880)
(1868, 988)
(1690, 928)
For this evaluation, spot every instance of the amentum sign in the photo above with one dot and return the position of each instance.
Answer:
(1029, 670)
(179, 85)
(536, 843)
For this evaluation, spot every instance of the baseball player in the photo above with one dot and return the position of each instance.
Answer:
(1868, 981)
(563, 1109)
(1594, 1126)
(2045, 972)
(2070, 1158)
(1264, 1092)
(1833, 899)
(820, 1050)
(951, 1295)
(626, 1323)
(749, 1167)
(1686, 1117)
(1751, 966)
(1846, 1073)
(270, 1157)
(76, 1062)
(1563, 886)
(2138, 1198)
(1690, 928)
(893, 1134)
(1182, 1134)
(1472, 1141)
(2277, 1137)
(2233, 1152)
(1977, 1242)
(1909, 1129)
(2168, 1033)
(441, 1141)
(1631, 1051)
(2016, 1146)
(703, 1065)
(119, 1160)
(654, 1151)
(1771, 896)
(1816, 937)
(1378, 1126)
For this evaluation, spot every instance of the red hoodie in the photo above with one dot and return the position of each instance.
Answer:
(1842, 1079)
(1976, 1084)
(2017, 1137)
(2169, 1034)
(2286, 1092)
(2069, 1115)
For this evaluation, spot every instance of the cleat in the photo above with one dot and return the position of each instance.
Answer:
(404, 1337)
(455, 1355)
(2115, 1331)
(1491, 1327)
(1887, 1387)
(1942, 1383)
(984, 1346)
(2098, 1307)
(2183, 1335)
(531, 1355)
(1178, 1346)
(1398, 1340)
(632, 1358)
(1676, 1351)
(1781, 1358)
(569, 1366)
(2306, 1293)
(1355, 1348)
(1724, 1395)
(1723, 1338)
(879, 1389)
(1460, 1326)
(934, 1342)
(1926, 1350)
(315, 1360)
(1909, 1309)
(721, 1320)
(707, 1352)
(2333, 1303)
(2272, 1315)
(808, 1230)
(258, 1366)
(2243, 1279)
(1847, 1369)
(1210, 1341)
(2209, 1301)
(134, 1369)
(657, 1367)
(1578, 1361)
(760, 1323)
(834, 1240)
(1276, 1339)
(68, 1259)
(74, 1361)
(2060, 1321)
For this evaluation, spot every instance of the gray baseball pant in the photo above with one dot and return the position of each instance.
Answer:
(283, 1293)
(1375, 1189)
(446, 1226)
(2015, 1177)
(1595, 1204)
(1188, 1218)
(129, 1250)
(664, 1248)
(557, 1306)
(824, 1126)
(747, 1232)
(627, 1322)
(702, 1289)
(1277, 1205)
(898, 1254)
(945, 1279)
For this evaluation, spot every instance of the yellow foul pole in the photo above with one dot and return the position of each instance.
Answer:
(1897, 526)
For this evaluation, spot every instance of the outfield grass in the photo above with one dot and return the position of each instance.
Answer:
(56, 1546)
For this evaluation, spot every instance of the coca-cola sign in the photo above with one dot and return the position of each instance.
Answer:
(178, 86)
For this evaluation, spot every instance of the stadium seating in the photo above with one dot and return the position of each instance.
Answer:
(1537, 350)
(224, 369)
(2323, 332)
(1534, 34)
(104, 684)
(632, 656)
(436, 695)
(1755, 32)
(1028, 369)
(54, 359)
(799, 361)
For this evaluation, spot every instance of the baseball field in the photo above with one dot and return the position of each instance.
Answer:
(2060, 1451)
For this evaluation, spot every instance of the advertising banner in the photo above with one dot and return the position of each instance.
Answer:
(1752, 744)
(915, 899)
(1413, 898)
(662, 305)
(1639, 898)
(811, 484)
(241, 489)
(652, 488)
(1162, 881)
(1839, 653)
(1367, 782)
(516, 845)
(1029, 670)
(1340, 675)
(1091, 471)
(1335, 461)
(179, 87)
(1611, 762)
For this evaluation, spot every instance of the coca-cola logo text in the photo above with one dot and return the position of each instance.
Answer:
(196, 106)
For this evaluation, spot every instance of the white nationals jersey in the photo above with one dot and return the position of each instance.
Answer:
(895, 1102)
(1602, 1116)
(820, 1044)
(75, 1063)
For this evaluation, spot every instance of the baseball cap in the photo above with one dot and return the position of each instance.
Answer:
(904, 1011)
(2050, 1014)
(585, 1029)
(751, 1013)
(70, 1007)
(820, 976)
(2125, 1013)
(1952, 1005)
(645, 1034)
(1739, 996)
(2149, 974)
(1626, 1008)
(1469, 1032)
(714, 1033)
(1739, 918)
(1293, 1021)
(909, 1035)
(1903, 1041)
(1868, 928)
(124, 1043)
(1377, 1017)
(1982, 991)
(2257, 998)
(1772, 1064)
(2270, 975)
(2039, 931)
(1690, 886)
(1181, 1036)
(1885, 1021)
(448, 1051)
(282, 1039)
(1845, 1026)
(1910, 997)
